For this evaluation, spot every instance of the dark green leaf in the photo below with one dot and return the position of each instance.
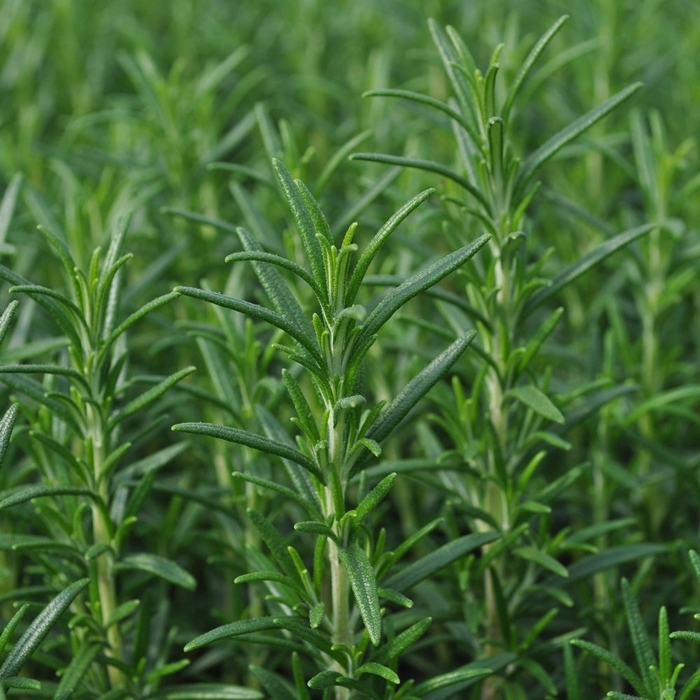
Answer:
(257, 442)
(538, 401)
(440, 558)
(39, 628)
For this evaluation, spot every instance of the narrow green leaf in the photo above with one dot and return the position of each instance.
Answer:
(275, 543)
(640, 639)
(275, 287)
(392, 650)
(130, 320)
(569, 133)
(11, 625)
(414, 285)
(537, 556)
(272, 259)
(377, 669)
(360, 270)
(430, 102)
(74, 674)
(7, 207)
(206, 691)
(314, 527)
(611, 557)
(690, 685)
(305, 224)
(528, 63)
(439, 559)
(447, 680)
(416, 389)
(538, 401)
(39, 628)
(275, 686)
(6, 424)
(586, 263)
(257, 442)
(148, 397)
(375, 496)
(30, 492)
(256, 311)
(364, 585)
(323, 680)
(535, 343)
(159, 566)
(6, 319)
(121, 612)
(429, 166)
(308, 506)
(620, 666)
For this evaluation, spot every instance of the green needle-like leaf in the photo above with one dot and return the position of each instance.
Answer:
(393, 649)
(413, 286)
(258, 312)
(640, 639)
(439, 559)
(257, 442)
(528, 63)
(276, 288)
(6, 424)
(364, 585)
(360, 271)
(159, 566)
(620, 666)
(305, 224)
(586, 263)
(375, 496)
(415, 390)
(568, 134)
(429, 166)
(39, 628)
(77, 669)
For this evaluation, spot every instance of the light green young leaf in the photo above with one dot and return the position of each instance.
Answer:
(257, 442)
(568, 134)
(538, 401)
(586, 263)
(358, 274)
(364, 585)
(443, 556)
(39, 628)
(314, 527)
(159, 566)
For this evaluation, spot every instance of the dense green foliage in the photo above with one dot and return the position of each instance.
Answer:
(349, 350)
